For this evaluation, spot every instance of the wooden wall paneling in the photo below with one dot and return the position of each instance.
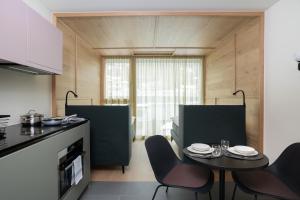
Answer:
(210, 101)
(66, 81)
(252, 122)
(248, 58)
(261, 80)
(81, 72)
(88, 73)
(220, 70)
(114, 31)
(53, 96)
(182, 33)
(235, 62)
(240, 62)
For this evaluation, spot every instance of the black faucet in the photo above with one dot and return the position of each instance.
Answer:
(67, 94)
(244, 99)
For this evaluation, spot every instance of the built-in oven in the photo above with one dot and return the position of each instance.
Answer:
(66, 159)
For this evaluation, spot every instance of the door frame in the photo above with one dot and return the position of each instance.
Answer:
(259, 14)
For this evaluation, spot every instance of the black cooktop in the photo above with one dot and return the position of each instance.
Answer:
(18, 136)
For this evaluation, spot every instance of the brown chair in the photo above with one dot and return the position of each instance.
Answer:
(280, 180)
(171, 172)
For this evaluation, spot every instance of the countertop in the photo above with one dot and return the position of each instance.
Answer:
(19, 137)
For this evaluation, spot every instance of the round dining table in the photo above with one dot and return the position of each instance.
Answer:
(225, 163)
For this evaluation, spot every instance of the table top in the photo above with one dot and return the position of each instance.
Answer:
(227, 163)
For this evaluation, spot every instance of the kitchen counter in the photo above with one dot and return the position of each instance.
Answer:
(19, 137)
(38, 160)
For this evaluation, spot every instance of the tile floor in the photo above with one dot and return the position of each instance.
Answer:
(145, 190)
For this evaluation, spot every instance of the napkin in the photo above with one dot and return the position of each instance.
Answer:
(77, 166)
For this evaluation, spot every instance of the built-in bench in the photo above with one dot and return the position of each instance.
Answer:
(111, 133)
(209, 124)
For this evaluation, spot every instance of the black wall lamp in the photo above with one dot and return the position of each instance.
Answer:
(244, 98)
(297, 58)
(67, 94)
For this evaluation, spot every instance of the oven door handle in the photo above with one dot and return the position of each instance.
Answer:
(69, 166)
(63, 165)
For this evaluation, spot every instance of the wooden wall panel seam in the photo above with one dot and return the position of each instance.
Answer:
(76, 63)
(235, 62)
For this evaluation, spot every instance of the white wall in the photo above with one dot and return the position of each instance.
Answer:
(282, 79)
(20, 92)
(40, 8)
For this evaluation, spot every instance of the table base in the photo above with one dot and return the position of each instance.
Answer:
(222, 184)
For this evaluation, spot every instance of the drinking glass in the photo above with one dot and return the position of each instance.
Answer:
(217, 150)
(224, 145)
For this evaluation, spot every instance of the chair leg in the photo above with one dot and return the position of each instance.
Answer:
(123, 169)
(255, 196)
(234, 191)
(209, 194)
(196, 195)
(167, 189)
(156, 191)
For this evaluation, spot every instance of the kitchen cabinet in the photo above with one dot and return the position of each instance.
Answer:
(13, 38)
(27, 39)
(44, 43)
(33, 170)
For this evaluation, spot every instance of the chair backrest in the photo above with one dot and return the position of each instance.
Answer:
(161, 156)
(287, 167)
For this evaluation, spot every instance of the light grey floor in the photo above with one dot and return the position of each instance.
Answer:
(145, 190)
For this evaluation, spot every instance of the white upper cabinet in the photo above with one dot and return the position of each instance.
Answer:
(26, 38)
(13, 37)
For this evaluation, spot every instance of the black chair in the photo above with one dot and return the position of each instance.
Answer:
(171, 172)
(281, 180)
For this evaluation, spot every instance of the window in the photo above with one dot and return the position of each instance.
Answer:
(162, 84)
(117, 80)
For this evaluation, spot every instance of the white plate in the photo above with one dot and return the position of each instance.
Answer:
(199, 152)
(244, 149)
(200, 147)
(232, 150)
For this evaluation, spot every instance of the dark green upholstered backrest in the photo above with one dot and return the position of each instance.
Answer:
(209, 124)
(110, 133)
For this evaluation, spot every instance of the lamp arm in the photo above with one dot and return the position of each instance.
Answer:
(244, 96)
(67, 94)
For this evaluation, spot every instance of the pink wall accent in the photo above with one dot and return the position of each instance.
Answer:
(13, 43)
(27, 38)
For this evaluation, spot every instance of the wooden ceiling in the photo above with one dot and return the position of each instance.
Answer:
(177, 35)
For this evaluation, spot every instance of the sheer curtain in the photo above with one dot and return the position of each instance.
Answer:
(162, 84)
(117, 80)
